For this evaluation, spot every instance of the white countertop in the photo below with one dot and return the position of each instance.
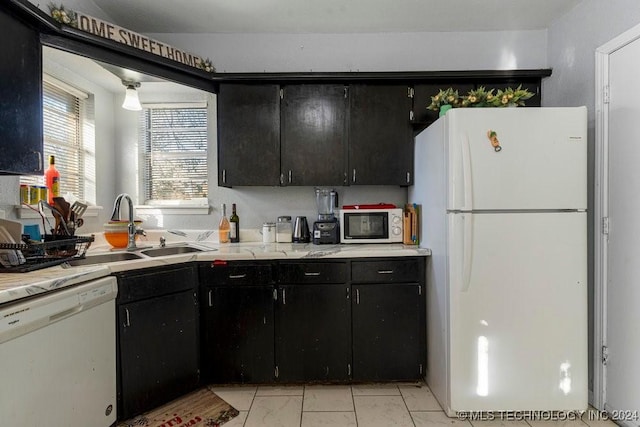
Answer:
(14, 286)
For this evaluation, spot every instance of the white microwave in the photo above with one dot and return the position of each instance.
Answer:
(376, 225)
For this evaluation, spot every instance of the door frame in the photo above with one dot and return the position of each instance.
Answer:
(601, 209)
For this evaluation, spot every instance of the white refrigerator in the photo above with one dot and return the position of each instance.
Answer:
(504, 196)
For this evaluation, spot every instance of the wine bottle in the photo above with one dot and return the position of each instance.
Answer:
(223, 226)
(234, 220)
(52, 180)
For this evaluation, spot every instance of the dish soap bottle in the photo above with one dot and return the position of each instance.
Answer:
(223, 226)
(234, 219)
(52, 180)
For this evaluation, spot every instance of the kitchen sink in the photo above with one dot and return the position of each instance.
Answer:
(170, 250)
(104, 258)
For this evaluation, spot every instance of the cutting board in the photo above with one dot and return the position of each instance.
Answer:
(14, 228)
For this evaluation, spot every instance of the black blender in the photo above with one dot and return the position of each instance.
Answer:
(326, 230)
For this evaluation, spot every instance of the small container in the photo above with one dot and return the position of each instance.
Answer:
(269, 232)
(42, 192)
(24, 194)
(283, 229)
(34, 195)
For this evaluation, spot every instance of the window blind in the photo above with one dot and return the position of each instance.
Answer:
(175, 153)
(62, 129)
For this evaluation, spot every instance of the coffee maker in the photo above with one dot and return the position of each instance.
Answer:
(326, 230)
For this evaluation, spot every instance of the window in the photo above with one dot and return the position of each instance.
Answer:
(174, 152)
(65, 137)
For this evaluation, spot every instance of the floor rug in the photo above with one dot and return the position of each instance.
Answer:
(201, 408)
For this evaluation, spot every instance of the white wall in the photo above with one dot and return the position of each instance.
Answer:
(293, 53)
(430, 51)
(573, 39)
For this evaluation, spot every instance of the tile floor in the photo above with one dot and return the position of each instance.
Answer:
(370, 405)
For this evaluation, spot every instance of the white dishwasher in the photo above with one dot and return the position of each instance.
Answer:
(58, 358)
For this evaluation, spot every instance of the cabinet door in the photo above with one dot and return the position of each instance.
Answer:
(388, 337)
(248, 135)
(314, 135)
(313, 333)
(20, 98)
(380, 135)
(159, 351)
(237, 334)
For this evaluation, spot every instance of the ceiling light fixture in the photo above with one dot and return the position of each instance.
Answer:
(131, 101)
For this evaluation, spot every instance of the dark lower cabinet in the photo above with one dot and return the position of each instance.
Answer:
(237, 299)
(293, 321)
(158, 337)
(238, 334)
(313, 333)
(388, 315)
(387, 343)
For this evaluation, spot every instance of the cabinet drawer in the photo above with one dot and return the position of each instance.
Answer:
(387, 271)
(313, 272)
(155, 282)
(236, 274)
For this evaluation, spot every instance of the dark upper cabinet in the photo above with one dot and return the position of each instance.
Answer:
(314, 134)
(380, 135)
(248, 135)
(20, 97)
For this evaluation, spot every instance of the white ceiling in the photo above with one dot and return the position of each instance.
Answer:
(332, 16)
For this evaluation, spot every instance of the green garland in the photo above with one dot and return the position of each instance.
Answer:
(480, 97)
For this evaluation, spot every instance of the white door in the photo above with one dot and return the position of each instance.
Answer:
(538, 162)
(622, 371)
(518, 311)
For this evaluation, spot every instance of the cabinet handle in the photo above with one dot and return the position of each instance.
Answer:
(349, 369)
(289, 176)
(311, 273)
(210, 298)
(275, 295)
(419, 290)
(348, 293)
(357, 296)
(385, 271)
(281, 179)
(237, 276)
(284, 297)
(224, 176)
(126, 310)
(354, 176)
(40, 161)
(408, 177)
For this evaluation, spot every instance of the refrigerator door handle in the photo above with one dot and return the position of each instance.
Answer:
(467, 250)
(467, 191)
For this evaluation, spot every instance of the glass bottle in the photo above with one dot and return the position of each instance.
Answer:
(234, 220)
(52, 180)
(223, 226)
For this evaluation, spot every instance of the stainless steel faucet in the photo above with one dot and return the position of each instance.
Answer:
(132, 230)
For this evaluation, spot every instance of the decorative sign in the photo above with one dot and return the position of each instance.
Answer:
(118, 34)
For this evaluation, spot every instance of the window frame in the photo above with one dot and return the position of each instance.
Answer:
(169, 206)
